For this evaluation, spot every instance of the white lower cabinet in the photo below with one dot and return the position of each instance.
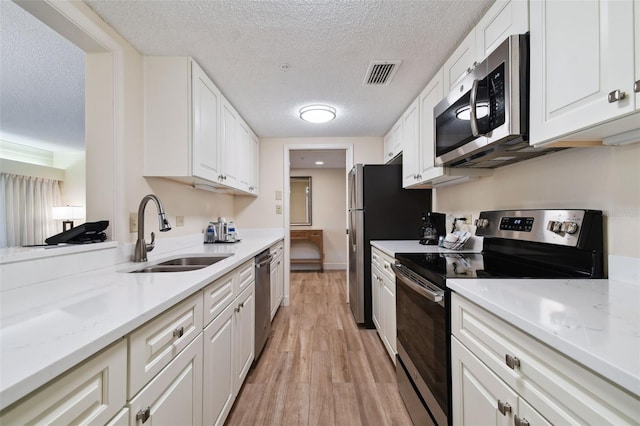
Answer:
(174, 396)
(218, 391)
(383, 294)
(244, 335)
(494, 362)
(121, 419)
(277, 277)
(91, 393)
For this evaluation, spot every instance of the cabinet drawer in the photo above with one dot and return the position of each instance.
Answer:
(92, 393)
(383, 262)
(246, 275)
(276, 249)
(155, 344)
(218, 295)
(298, 234)
(560, 389)
(376, 258)
(173, 397)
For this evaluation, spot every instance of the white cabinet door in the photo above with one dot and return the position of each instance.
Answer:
(393, 141)
(206, 111)
(429, 98)
(90, 394)
(389, 315)
(411, 144)
(229, 142)
(274, 288)
(376, 296)
(254, 155)
(173, 397)
(461, 62)
(636, 86)
(504, 18)
(243, 156)
(244, 330)
(218, 390)
(580, 52)
(477, 392)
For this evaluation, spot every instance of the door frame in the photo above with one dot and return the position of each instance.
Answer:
(348, 148)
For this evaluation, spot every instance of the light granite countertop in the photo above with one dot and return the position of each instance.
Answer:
(50, 326)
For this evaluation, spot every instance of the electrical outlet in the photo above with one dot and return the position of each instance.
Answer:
(468, 221)
(133, 222)
(179, 220)
(278, 195)
(278, 208)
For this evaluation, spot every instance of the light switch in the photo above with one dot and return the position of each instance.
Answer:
(179, 220)
(133, 222)
(278, 208)
(278, 195)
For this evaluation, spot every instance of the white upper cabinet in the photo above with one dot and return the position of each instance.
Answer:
(393, 141)
(461, 62)
(502, 20)
(636, 85)
(230, 138)
(191, 130)
(582, 68)
(411, 144)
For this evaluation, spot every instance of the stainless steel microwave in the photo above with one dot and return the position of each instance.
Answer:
(484, 121)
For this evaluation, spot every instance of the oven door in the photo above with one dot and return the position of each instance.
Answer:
(423, 345)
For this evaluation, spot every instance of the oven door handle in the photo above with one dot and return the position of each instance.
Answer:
(435, 297)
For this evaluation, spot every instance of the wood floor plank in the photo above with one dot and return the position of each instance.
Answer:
(321, 408)
(245, 413)
(320, 368)
(296, 410)
(382, 367)
(301, 368)
(392, 405)
(345, 399)
(271, 407)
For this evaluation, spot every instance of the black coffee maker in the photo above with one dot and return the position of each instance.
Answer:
(433, 226)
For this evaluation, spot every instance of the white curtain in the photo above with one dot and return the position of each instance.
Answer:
(26, 210)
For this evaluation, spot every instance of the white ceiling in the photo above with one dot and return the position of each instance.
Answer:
(41, 83)
(327, 44)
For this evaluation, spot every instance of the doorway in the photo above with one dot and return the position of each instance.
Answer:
(299, 160)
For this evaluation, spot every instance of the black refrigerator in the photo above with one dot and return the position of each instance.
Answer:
(379, 209)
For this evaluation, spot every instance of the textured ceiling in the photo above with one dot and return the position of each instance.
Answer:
(41, 83)
(327, 45)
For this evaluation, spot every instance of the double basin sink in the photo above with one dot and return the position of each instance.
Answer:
(183, 264)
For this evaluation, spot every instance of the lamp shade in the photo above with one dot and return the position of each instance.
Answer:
(68, 212)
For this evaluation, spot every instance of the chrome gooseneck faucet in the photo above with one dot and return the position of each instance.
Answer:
(142, 247)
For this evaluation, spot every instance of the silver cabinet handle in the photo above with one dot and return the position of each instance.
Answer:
(504, 407)
(390, 154)
(512, 361)
(240, 306)
(636, 86)
(520, 421)
(143, 414)
(178, 332)
(615, 96)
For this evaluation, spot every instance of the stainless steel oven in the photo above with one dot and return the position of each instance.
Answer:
(517, 244)
(423, 346)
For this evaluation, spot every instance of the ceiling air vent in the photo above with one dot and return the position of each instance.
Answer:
(380, 73)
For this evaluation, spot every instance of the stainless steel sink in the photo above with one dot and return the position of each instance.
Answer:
(183, 264)
(195, 261)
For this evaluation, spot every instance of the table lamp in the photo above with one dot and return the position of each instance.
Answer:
(67, 214)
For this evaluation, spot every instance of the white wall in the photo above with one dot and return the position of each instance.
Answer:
(328, 213)
(603, 178)
(261, 211)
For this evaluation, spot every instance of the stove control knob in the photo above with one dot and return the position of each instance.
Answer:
(482, 223)
(569, 227)
(554, 226)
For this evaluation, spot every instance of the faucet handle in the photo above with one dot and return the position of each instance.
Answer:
(151, 245)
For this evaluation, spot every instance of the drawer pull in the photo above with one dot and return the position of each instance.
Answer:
(240, 306)
(520, 421)
(504, 407)
(615, 96)
(143, 414)
(178, 332)
(512, 361)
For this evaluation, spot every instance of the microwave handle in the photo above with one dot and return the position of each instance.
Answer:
(473, 100)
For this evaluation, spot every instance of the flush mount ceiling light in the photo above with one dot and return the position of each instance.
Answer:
(319, 163)
(317, 113)
(464, 112)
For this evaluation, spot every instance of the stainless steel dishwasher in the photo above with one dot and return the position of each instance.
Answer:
(263, 301)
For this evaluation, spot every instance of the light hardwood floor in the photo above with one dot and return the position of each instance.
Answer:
(318, 367)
